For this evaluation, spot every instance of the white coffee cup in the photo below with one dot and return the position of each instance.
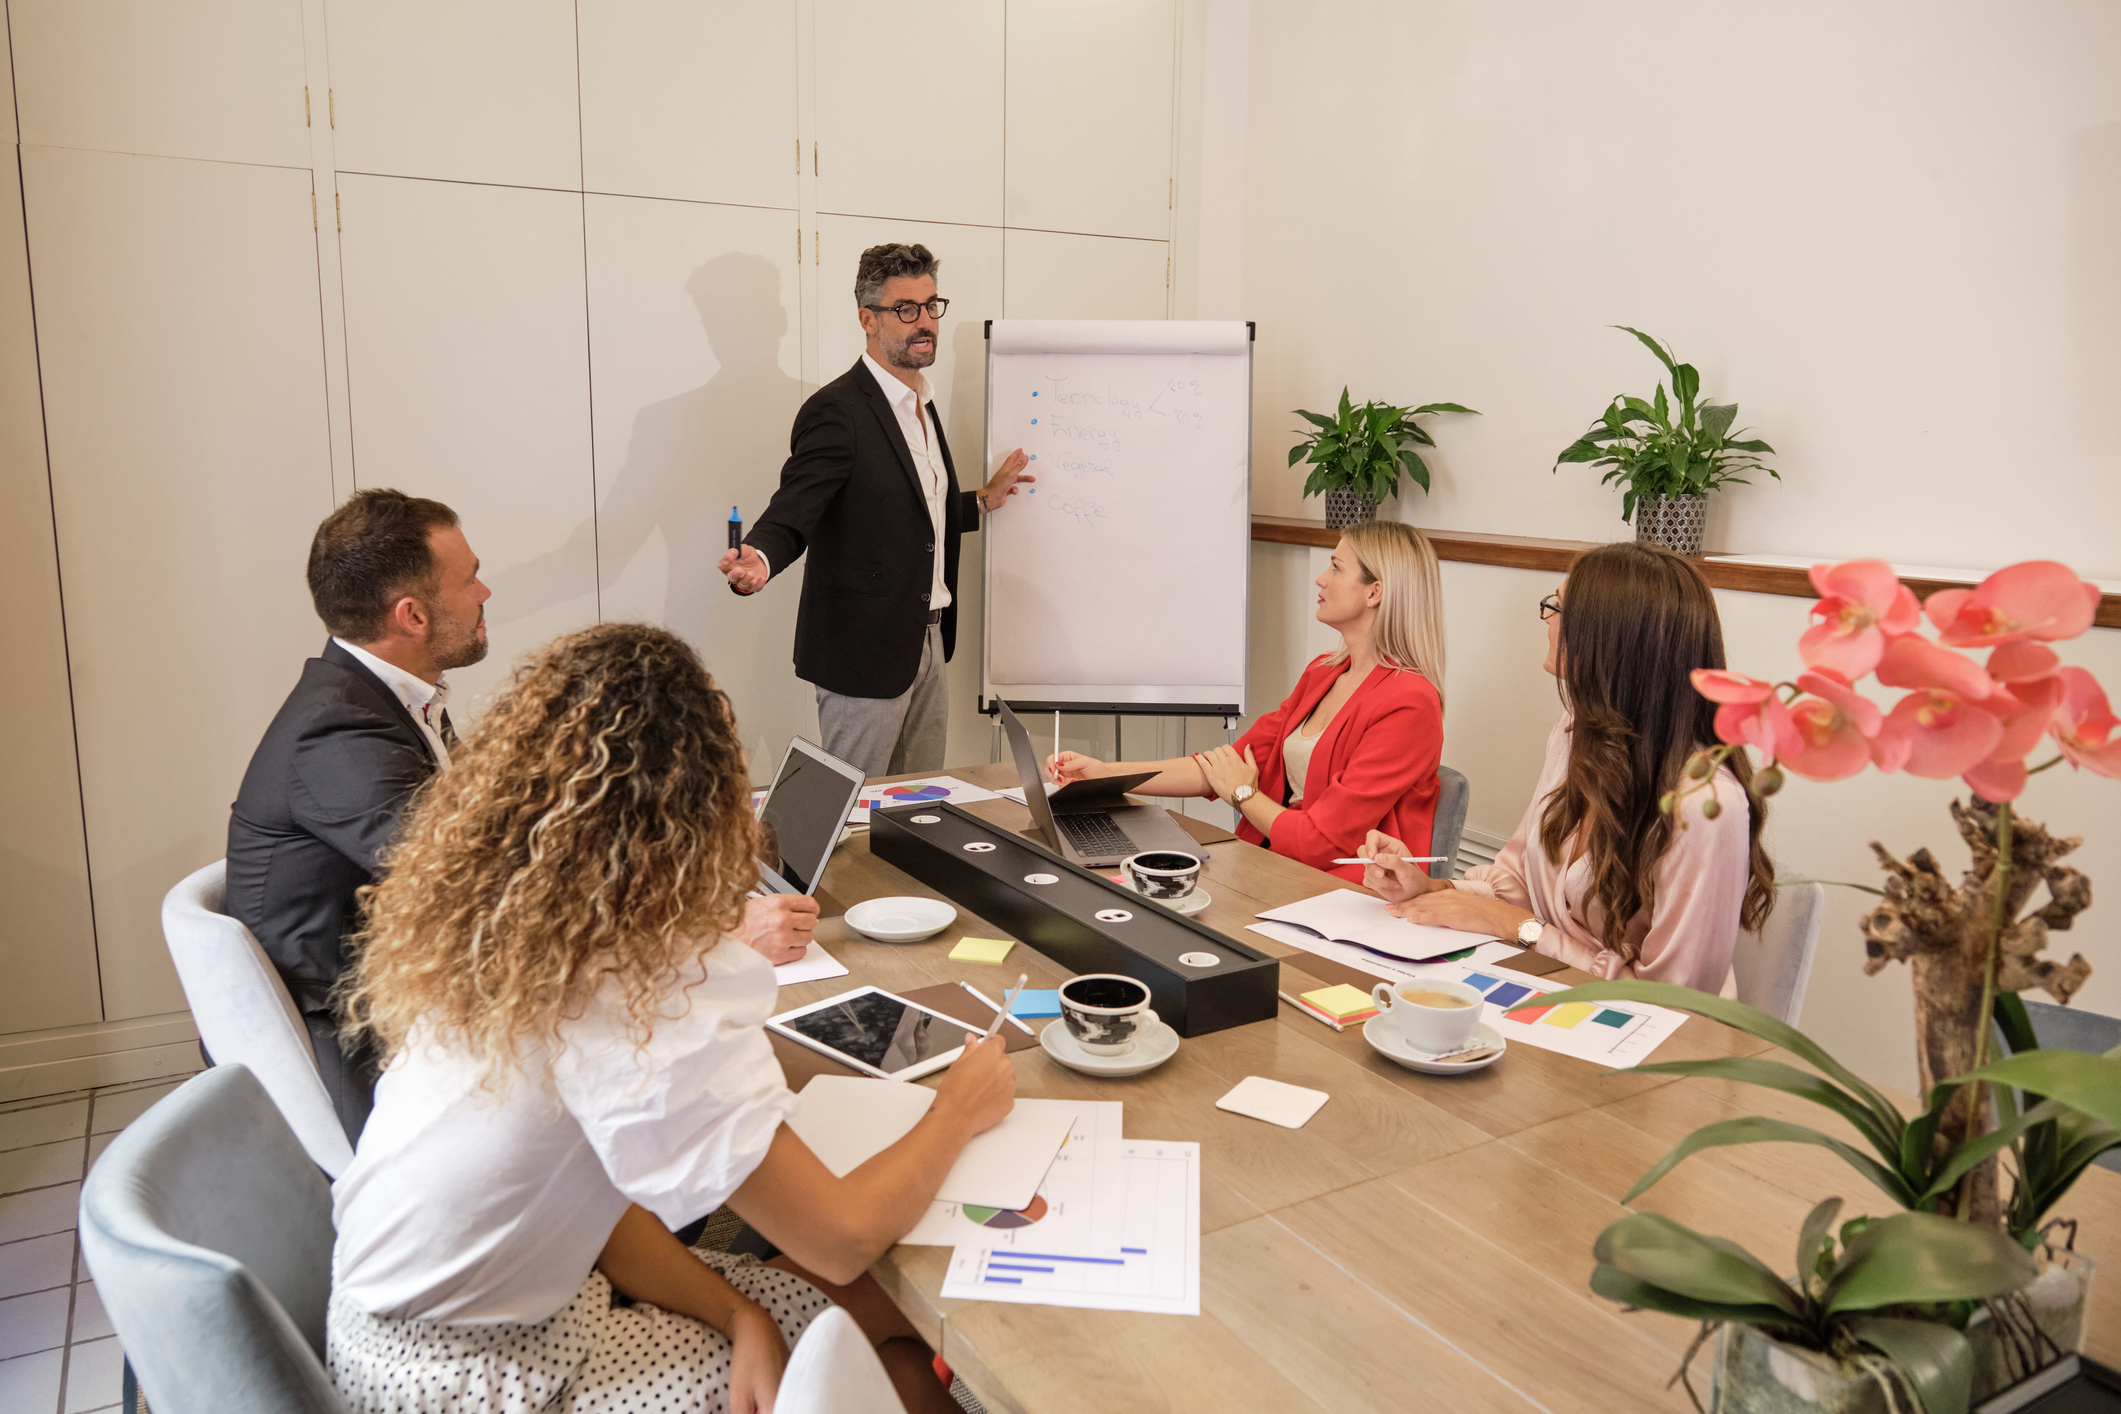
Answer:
(1425, 1026)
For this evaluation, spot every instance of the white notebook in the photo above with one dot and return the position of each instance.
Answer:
(1365, 921)
(847, 1120)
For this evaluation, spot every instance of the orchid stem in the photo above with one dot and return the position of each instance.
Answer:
(1983, 1023)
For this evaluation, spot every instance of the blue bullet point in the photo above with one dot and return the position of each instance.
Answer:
(1033, 490)
(1034, 422)
(1034, 456)
(1034, 392)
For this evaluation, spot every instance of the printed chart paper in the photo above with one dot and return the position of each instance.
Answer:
(1135, 1247)
(1617, 1035)
(1366, 921)
(1389, 969)
(932, 790)
(1069, 1185)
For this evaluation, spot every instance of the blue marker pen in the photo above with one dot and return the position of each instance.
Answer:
(736, 530)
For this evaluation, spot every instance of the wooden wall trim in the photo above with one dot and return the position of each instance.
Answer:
(1528, 552)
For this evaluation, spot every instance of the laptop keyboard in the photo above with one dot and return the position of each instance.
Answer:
(1094, 834)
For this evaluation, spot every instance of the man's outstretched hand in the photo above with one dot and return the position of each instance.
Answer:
(745, 570)
(1002, 485)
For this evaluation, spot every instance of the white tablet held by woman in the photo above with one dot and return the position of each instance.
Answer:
(877, 1033)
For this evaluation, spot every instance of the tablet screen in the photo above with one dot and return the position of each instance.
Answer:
(880, 1030)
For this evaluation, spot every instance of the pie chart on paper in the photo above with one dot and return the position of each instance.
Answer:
(914, 794)
(1003, 1218)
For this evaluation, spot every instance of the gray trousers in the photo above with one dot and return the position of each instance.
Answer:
(888, 736)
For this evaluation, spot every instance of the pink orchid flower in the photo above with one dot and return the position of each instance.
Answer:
(1751, 713)
(1836, 726)
(2037, 599)
(1914, 661)
(1862, 604)
(2025, 710)
(1938, 734)
(2084, 724)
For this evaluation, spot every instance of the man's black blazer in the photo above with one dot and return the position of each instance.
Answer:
(321, 799)
(850, 496)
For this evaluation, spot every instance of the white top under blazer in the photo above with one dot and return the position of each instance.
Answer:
(474, 1208)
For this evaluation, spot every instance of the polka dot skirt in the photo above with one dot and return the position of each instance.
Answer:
(589, 1358)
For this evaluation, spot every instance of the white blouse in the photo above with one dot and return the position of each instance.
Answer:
(1693, 927)
(474, 1208)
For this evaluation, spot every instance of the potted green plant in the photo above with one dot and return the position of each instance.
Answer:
(1668, 453)
(1359, 454)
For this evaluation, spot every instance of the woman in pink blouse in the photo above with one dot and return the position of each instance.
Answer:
(1596, 875)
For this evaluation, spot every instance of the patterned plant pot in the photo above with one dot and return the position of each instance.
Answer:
(1346, 507)
(1675, 522)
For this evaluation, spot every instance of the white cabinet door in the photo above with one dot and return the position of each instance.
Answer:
(471, 91)
(695, 335)
(1090, 116)
(909, 109)
(47, 933)
(1054, 276)
(190, 464)
(468, 377)
(689, 100)
(222, 81)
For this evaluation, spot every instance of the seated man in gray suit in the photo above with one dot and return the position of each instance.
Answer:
(398, 588)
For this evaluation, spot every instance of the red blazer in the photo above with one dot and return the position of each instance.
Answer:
(1373, 768)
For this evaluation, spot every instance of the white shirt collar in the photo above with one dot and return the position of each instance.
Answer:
(412, 690)
(897, 390)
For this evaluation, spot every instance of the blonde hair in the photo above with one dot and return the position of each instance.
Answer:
(1407, 633)
(597, 823)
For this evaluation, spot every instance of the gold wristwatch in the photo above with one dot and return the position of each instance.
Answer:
(1242, 794)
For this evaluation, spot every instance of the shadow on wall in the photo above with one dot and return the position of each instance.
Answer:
(659, 526)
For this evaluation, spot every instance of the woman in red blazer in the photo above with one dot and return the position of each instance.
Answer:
(1363, 727)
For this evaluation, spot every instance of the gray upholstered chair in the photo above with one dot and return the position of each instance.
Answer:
(1774, 966)
(1453, 795)
(208, 1230)
(244, 1013)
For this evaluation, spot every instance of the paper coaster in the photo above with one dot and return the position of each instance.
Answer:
(1289, 1106)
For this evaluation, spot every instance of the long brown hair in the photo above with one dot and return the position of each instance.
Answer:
(596, 823)
(1635, 620)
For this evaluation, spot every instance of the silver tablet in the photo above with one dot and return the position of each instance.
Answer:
(877, 1033)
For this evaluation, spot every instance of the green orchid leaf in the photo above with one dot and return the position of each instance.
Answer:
(1738, 1015)
(1444, 407)
(1758, 1129)
(1814, 1240)
(1937, 1360)
(1926, 1257)
(1654, 1249)
(1649, 343)
(2015, 1022)
(1616, 1285)
(2079, 1079)
(1774, 1075)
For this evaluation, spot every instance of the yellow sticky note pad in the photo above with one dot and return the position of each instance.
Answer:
(984, 950)
(1341, 1002)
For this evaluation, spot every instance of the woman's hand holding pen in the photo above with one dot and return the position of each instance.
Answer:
(1394, 876)
(1067, 766)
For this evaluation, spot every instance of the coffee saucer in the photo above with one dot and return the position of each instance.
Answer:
(1383, 1037)
(1191, 904)
(1152, 1047)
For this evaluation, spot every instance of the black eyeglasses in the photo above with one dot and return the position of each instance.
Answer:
(1549, 607)
(908, 311)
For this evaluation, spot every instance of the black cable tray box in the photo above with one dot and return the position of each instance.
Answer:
(1198, 979)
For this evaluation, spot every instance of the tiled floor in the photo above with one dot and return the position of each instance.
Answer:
(57, 1352)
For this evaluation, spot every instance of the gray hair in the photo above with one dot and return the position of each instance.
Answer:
(884, 262)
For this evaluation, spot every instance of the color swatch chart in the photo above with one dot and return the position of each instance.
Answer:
(1134, 1247)
(1613, 1034)
(927, 792)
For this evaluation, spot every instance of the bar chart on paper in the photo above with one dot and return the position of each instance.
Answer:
(1616, 1034)
(1137, 1247)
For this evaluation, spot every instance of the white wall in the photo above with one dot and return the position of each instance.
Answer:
(1889, 231)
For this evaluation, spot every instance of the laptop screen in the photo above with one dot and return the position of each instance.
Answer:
(805, 811)
(1030, 777)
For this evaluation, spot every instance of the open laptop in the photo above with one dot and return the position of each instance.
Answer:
(805, 812)
(1090, 822)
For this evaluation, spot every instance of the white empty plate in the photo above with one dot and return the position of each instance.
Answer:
(900, 920)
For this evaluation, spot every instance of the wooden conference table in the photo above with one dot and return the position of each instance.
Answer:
(1423, 1242)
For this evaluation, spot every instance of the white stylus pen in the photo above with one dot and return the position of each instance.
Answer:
(1401, 858)
(1008, 1000)
(984, 1001)
(1056, 734)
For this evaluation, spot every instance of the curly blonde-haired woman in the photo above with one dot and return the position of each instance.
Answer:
(576, 1064)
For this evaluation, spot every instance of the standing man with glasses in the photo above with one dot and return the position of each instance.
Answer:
(870, 491)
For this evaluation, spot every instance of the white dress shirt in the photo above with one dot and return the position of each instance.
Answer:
(425, 700)
(476, 1208)
(914, 418)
